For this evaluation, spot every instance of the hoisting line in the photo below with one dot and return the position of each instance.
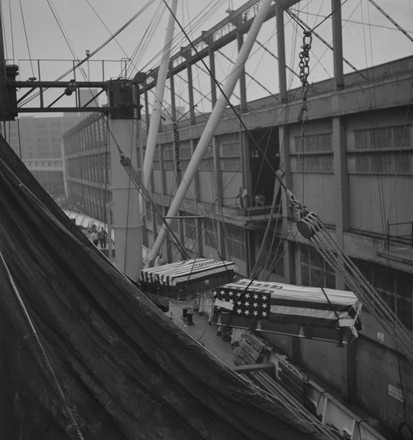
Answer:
(311, 227)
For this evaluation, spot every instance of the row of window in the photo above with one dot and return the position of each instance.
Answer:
(93, 168)
(230, 157)
(90, 201)
(376, 150)
(90, 136)
(382, 138)
(232, 164)
(234, 236)
(322, 163)
(387, 162)
(395, 287)
(44, 164)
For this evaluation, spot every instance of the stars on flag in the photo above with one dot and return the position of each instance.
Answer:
(244, 303)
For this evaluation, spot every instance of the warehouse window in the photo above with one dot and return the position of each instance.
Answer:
(190, 227)
(383, 150)
(210, 233)
(395, 288)
(230, 157)
(313, 154)
(315, 272)
(236, 242)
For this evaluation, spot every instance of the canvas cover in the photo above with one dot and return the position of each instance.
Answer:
(311, 312)
(84, 354)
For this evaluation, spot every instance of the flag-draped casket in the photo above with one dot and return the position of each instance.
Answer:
(184, 279)
(310, 312)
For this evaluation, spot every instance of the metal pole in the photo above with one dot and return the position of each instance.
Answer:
(126, 221)
(337, 44)
(281, 54)
(3, 76)
(157, 105)
(212, 124)
(2, 52)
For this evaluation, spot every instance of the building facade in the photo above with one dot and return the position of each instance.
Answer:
(350, 162)
(87, 167)
(38, 142)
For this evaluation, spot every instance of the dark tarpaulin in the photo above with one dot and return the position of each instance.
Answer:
(126, 370)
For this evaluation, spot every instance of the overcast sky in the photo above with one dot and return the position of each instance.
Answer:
(63, 29)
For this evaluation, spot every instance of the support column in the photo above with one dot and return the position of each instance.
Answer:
(222, 241)
(212, 76)
(125, 195)
(281, 54)
(175, 125)
(342, 220)
(158, 100)
(289, 256)
(173, 100)
(242, 85)
(3, 77)
(147, 112)
(191, 95)
(337, 44)
(218, 172)
(285, 165)
(342, 224)
(245, 160)
(8, 96)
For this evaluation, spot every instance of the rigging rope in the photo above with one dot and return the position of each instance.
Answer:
(26, 38)
(311, 227)
(306, 27)
(251, 138)
(79, 63)
(106, 27)
(252, 77)
(11, 31)
(179, 39)
(263, 248)
(403, 31)
(66, 38)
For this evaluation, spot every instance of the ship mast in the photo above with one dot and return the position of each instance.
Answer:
(159, 94)
(211, 126)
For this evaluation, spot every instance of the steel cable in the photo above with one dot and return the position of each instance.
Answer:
(375, 304)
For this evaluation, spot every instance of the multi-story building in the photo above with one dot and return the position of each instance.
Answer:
(38, 142)
(87, 167)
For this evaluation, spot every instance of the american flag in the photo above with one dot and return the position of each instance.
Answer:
(289, 309)
(247, 304)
